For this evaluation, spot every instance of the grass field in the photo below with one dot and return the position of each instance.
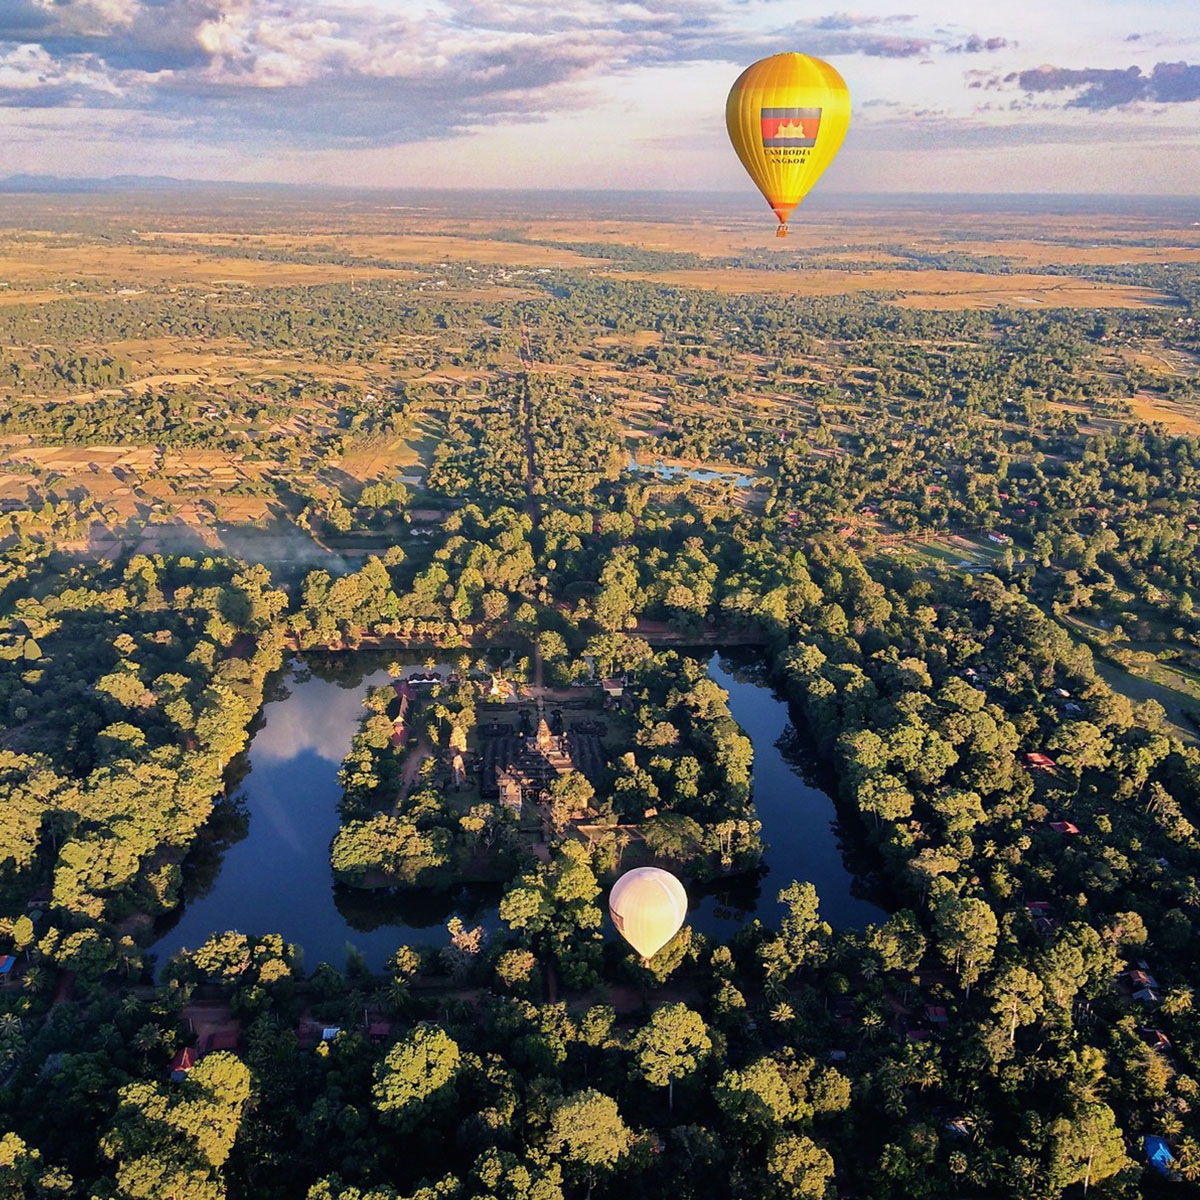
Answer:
(1177, 417)
(1138, 688)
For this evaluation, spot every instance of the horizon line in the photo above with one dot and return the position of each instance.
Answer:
(65, 183)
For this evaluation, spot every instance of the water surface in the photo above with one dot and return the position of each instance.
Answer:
(277, 879)
(797, 819)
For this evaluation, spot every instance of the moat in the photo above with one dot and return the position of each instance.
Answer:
(277, 879)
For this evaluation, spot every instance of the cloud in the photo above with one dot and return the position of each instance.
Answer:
(353, 72)
(1101, 88)
(977, 45)
(848, 21)
(935, 133)
(1174, 83)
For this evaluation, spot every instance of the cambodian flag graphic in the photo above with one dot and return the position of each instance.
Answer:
(790, 126)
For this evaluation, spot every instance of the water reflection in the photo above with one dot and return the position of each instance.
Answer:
(367, 911)
(264, 868)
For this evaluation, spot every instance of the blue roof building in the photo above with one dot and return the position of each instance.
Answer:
(1158, 1154)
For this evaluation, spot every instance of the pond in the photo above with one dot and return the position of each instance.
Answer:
(667, 471)
(275, 877)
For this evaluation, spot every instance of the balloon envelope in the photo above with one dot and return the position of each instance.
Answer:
(647, 905)
(787, 116)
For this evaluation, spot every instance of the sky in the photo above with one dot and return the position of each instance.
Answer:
(948, 95)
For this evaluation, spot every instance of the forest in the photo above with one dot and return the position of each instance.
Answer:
(963, 545)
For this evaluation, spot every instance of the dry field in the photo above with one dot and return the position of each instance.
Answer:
(1176, 418)
(424, 248)
(41, 268)
(49, 264)
(921, 289)
(1043, 253)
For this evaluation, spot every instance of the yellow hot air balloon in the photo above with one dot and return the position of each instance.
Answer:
(787, 116)
(647, 905)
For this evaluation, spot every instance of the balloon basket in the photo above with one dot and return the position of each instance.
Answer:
(782, 231)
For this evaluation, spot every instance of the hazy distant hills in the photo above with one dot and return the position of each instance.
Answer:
(1176, 208)
(110, 183)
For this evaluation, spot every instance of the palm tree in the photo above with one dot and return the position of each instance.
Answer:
(1187, 1161)
(1170, 1124)
(872, 1023)
(396, 996)
(147, 1039)
(925, 1072)
(621, 840)
(774, 989)
(1177, 1001)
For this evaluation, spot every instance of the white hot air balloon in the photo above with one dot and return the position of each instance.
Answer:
(647, 905)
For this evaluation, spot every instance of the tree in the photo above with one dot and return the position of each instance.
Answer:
(551, 645)
(1080, 745)
(495, 605)
(1017, 997)
(24, 1174)
(673, 835)
(174, 1144)
(416, 1077)
(801, 931)
(23, 933)
(1087, 1148)
(967, 932)
(587, 1132)
(1063, 971)
(671, 1046)
(798, 1167)
(504, 1176)
(571, 796)
(899, 942)
(757, 1096)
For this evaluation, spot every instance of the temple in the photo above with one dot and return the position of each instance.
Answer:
(518, 769)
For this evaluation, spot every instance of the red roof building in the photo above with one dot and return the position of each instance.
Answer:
(183, 1062)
